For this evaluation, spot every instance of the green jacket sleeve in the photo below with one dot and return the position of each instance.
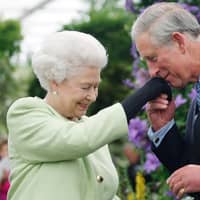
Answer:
(38, 135)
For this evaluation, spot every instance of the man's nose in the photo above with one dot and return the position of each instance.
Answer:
(153, 69)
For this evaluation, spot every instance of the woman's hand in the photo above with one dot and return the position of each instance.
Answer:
(160, 111)
(185, 180)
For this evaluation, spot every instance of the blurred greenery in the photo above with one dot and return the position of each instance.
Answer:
(10, 38)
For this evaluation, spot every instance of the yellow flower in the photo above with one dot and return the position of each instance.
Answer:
(130, 196)
(140, 186)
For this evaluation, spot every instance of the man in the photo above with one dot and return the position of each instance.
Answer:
(168, 38)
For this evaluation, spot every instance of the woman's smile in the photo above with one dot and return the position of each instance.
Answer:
(83, 106)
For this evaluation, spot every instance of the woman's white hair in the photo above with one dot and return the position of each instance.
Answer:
(161, 20)
(64, 54)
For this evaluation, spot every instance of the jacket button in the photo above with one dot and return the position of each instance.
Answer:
(99, 178)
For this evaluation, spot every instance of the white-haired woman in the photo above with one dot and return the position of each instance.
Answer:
(57, 152)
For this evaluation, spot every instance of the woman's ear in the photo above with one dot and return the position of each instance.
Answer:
(53, 85)
(179, 40)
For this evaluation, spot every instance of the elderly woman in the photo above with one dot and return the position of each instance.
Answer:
(57, 152)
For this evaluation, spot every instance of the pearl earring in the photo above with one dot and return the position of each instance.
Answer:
(54, 93)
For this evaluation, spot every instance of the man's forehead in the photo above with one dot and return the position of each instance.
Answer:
(144, 44)
(147, 52)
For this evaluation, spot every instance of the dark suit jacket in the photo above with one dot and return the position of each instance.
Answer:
(177, 150)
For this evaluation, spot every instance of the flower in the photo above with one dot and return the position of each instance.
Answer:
(180, 100)
(135, 66)
(130, 196)
(129, 83)
(170, 194)
(152, 163)
(192, 95)
(193, 9)
(142, 76)
(134, 52)
(129, 6)
(140, 186)
(198, 16)
(137, 133)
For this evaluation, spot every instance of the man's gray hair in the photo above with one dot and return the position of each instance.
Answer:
(162, 19)
(65, 54)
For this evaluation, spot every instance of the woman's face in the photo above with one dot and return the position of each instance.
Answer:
(75, 95)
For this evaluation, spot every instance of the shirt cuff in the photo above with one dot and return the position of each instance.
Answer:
(158, 136)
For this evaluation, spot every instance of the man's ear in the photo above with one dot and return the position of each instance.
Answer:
(179, 40)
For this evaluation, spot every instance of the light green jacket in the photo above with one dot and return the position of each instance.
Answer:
(53, 158)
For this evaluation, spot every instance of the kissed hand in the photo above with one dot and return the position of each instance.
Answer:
(160, 111)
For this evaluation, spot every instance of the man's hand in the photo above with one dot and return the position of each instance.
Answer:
(185, 180)
(160, 111)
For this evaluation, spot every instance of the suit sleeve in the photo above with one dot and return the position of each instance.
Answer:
(173, 151)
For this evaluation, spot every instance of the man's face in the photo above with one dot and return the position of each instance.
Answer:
(169, 62)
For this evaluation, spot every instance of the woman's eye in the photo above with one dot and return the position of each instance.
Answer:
(89, 87)
(85, 88)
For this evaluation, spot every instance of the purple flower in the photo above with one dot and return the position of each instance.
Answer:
(141, 76)
(192, 95)
(137, 133)
(198, 16)
(134, 51)
(135, 66)
(129, 6)
(170, 194)
(129, 83)
(180, 100)
(185, 6)
(151, 163)
(193, 9)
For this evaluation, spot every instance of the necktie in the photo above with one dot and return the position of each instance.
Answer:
(198, 93)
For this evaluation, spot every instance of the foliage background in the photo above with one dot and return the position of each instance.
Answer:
(12, 83)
